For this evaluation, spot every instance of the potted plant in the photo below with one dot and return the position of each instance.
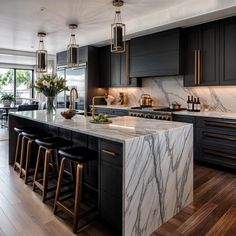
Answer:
(7, 99)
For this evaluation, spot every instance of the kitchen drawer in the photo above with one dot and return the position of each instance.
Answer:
(218, 155)
(184, 118)
(216, 137)
(111, 179)
(226, 125)
(117, 112)
(111, 210)
(111, 152)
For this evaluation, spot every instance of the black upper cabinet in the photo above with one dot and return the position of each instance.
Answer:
(114, 69)
(62, 57)
(228, 51)
(157, 54)
(201, 55)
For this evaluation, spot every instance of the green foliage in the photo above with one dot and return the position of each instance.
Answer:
(7, 96)
(22, 77)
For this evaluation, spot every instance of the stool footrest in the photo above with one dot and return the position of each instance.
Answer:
(64, 208)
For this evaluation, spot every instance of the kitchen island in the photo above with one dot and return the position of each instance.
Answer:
(145, 167)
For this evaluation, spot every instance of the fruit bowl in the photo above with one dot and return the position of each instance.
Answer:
(68, 114)
(100, 119)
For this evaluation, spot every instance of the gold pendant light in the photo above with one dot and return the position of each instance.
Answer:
(41, 55)
(72, 49)
(117, 30)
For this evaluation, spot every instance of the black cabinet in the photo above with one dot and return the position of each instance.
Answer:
(228, 52)
(201, 55)
(114, 69)
(214, 139)
(111, 159)
(158, 54)
(62, 57)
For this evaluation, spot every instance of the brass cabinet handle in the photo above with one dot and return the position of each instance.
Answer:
(220, 154)
(199, 67)
(113, 154)
(221, 136)
(221, 124)
(195, 66)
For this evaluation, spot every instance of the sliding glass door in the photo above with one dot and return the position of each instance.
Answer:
(17, 82)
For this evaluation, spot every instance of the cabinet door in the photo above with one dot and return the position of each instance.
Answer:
(115, 69)
(209, 55)
(191, 46)
(156, 54)
(228, 52)
(105, 66)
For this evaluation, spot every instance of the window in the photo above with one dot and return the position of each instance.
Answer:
(17, 82)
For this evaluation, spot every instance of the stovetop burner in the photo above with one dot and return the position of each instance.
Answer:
(157, 108)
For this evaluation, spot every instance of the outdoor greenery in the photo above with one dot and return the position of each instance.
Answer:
(7, 96)
(23, 77)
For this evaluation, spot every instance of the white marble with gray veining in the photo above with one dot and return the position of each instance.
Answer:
(166, 90)
(120, 130)
(213, 114)
(158, 179)
(157, 165)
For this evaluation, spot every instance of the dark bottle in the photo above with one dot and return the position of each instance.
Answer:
(191, 104)
(188, 103)
(194, 104)
(198, 105)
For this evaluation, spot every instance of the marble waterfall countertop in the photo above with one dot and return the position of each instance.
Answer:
(157, 167)
(210, 114)
(121, 129)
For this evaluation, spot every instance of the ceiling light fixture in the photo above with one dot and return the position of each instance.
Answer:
(73, 49)
(118, 30)
(41, 55)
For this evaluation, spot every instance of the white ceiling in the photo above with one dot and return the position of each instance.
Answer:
(20, 20)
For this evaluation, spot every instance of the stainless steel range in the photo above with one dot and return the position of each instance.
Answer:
(159, 113)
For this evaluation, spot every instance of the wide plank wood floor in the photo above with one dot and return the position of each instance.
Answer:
(213, 211)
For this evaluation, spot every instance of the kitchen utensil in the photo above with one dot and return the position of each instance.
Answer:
(145, 100)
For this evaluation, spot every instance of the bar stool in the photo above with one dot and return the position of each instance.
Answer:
(47, 147)
(28, 139)
(79, 156)
(18, 146)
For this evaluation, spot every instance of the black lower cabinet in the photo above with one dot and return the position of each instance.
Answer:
(111, 184)
(214, 140)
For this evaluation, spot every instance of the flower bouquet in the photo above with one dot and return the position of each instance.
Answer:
(50, 86)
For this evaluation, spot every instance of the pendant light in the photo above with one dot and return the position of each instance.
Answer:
(72, 49)
(117, 30)
(41, 55)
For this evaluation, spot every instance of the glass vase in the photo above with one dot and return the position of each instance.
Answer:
(50, 106)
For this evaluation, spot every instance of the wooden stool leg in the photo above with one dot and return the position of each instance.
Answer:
(60, 178)
(37, 166)
(45, 173)
(19, 137)
(27, 163)
(22, 156)
(79, 175)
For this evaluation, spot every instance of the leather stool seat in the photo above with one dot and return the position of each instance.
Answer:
(53, 142)
(78, 154)
(34, 134)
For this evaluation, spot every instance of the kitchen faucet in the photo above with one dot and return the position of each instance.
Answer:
(74, 95)
(93, 102)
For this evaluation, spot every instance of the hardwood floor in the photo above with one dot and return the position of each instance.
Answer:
(213, 211)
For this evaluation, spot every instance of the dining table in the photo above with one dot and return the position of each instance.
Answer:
(6, 113)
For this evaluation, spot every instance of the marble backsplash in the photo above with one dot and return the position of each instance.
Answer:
(167, 90)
